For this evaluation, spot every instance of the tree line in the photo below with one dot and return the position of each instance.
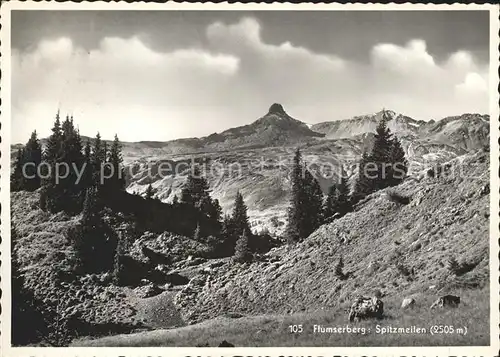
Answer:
(87, 179)
(385, 165)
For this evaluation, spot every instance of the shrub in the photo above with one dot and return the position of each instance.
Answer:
(339, 272)
(398, 198)
(459, 268)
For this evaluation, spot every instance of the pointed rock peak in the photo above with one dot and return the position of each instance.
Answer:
(276, 109)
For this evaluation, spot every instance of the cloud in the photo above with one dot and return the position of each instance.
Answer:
(124, 86)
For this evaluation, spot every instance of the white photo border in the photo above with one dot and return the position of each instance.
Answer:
(5, 131)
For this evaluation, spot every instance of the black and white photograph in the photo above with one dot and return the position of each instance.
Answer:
(237, 176)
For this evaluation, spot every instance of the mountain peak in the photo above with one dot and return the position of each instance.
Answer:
(276, 108)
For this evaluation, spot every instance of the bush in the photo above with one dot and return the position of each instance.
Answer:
(398, 198)
(459, 268)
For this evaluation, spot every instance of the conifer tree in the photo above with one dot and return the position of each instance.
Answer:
(380, 153)
(71, 186)
(242, 251)
(175, 200)
(239, 217)
(117, 181)
(17, 177)
(196, 193)
(305, 213)
(313, 203)
(54, 142)
(32, 159)
(150, 192)
(93, 241)
(197, 233)
(399, 164)
(195, 189)
(52, 191)
(98, 157)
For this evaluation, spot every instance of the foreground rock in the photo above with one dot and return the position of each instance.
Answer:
(446, 300)
(408, 303)
(365, 308)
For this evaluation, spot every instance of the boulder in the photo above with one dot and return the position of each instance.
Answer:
(225, 344)
(408, 303)
(147, 291)
(364, 308)
(446, 300)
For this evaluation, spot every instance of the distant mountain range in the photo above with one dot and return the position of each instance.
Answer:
(273, 139)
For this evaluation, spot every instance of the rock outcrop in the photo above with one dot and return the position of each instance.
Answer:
(366, 308)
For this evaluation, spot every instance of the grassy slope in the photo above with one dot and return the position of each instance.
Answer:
(273, 330)
(451, 219)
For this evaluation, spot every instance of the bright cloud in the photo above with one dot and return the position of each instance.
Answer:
(126, 87)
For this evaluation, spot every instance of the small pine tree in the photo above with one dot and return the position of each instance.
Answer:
(150, 192)
(305, 213)
(294, 230)
(339, 269)
(175, 200)
(313, 204)
(197, 233)
(242, 251)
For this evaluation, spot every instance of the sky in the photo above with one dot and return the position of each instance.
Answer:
(162, 75)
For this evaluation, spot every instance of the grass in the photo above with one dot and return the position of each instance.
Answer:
(274, 330)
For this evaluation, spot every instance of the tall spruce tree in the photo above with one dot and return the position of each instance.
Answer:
(98, 157)
(380, 153)
(195, 189)
(32, 160)
(294, 230)
(399, 164)
(313, 203)
(305, 213)
(196, 194)
(385, 166)
(52, 193)
(117, 180)
(239, 217)
(54, 142)
(363, 185)
(17, 177)
(150, 192)
(71, 185)
(93, 240)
